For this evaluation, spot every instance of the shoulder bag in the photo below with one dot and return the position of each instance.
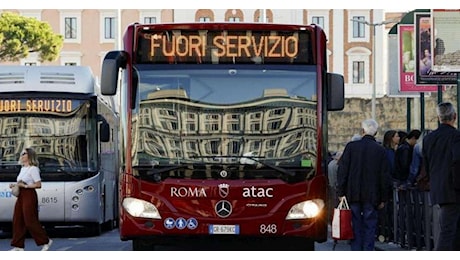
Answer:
(15, 190)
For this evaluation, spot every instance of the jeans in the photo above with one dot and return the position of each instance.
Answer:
(364, 220)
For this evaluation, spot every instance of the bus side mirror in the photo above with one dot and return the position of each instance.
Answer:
(104, 132)
(113, 62)
(335, 92)
(104, 129)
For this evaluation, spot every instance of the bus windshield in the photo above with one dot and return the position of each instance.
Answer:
(214, 114)
(58, 133)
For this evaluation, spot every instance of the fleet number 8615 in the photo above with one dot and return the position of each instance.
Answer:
(49, 200)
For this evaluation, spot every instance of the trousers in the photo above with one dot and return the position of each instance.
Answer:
(25, 218)
(449, 235)
(364, 221)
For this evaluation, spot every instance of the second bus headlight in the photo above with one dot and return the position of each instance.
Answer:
(306, 209)
(140, 208)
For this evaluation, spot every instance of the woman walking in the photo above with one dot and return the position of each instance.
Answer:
(25, 216)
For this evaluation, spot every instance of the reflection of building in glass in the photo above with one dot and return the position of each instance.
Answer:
(275, 127)
(50, 137)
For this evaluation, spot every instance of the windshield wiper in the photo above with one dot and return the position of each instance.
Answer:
(255, 159)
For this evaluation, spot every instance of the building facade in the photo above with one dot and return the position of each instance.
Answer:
(90, 33)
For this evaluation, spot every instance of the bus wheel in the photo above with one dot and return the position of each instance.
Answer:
(143, 245)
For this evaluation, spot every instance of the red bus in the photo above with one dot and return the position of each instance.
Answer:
(223, 133)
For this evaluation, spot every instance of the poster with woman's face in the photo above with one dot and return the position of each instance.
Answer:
(407, 61)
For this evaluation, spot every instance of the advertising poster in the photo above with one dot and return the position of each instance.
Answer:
(446, 39)
(424, 74)
(406, 62)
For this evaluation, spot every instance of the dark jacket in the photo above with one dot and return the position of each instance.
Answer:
(438, 149)
(403, 158)
(363, 174)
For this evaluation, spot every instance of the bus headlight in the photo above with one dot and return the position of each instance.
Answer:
(140, 208)
(306, 209)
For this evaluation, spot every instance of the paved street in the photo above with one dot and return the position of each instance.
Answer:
(66, 240)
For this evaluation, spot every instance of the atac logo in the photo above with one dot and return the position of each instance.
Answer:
(224, 190)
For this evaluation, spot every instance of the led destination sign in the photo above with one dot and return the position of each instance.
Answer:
(272, 46)
(36, 105)
(188, 46)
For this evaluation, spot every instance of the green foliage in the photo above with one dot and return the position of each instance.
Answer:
(21, 35)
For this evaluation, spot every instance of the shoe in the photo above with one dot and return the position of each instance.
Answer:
(17, 249)
(46, 247)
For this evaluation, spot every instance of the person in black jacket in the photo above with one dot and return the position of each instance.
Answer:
(441, 149)
(363, 177)
(403, 159)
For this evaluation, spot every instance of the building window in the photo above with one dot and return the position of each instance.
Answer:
(70, 64)
(319, 20)
(30, 64)
(358, 27)
(204, 19)
(259, 19)
(109, 27)
(234, 19)
(70, 28)
(358, 72)
(150, 20)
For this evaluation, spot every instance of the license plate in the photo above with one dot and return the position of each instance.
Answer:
(224, 229)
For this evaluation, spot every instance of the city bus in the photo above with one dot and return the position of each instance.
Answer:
(60, 113)
(223, 133)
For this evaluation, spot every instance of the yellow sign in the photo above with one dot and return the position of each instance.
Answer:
(36, 105)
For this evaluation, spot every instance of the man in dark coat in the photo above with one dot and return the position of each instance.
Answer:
(363, 177)
(441, 149)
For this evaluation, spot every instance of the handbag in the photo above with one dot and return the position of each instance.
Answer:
(341, 221)
(15, 190)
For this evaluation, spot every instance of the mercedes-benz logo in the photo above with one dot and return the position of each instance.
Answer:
(223, 208)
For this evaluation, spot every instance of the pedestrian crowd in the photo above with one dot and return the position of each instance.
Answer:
(374, 176)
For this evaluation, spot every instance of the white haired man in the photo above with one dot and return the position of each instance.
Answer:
(363, 177)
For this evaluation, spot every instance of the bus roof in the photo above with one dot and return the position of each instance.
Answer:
(67, 79)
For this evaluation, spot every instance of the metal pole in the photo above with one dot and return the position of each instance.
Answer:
(439, 97)
(458, 99)
(374, 78)
(422, 111)
(408, 114)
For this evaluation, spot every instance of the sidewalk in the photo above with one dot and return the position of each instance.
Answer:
(343, 245)
(379, 246)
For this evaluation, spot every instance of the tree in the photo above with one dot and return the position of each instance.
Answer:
(21, 35)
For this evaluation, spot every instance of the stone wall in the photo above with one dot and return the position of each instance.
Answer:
(391, 113)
